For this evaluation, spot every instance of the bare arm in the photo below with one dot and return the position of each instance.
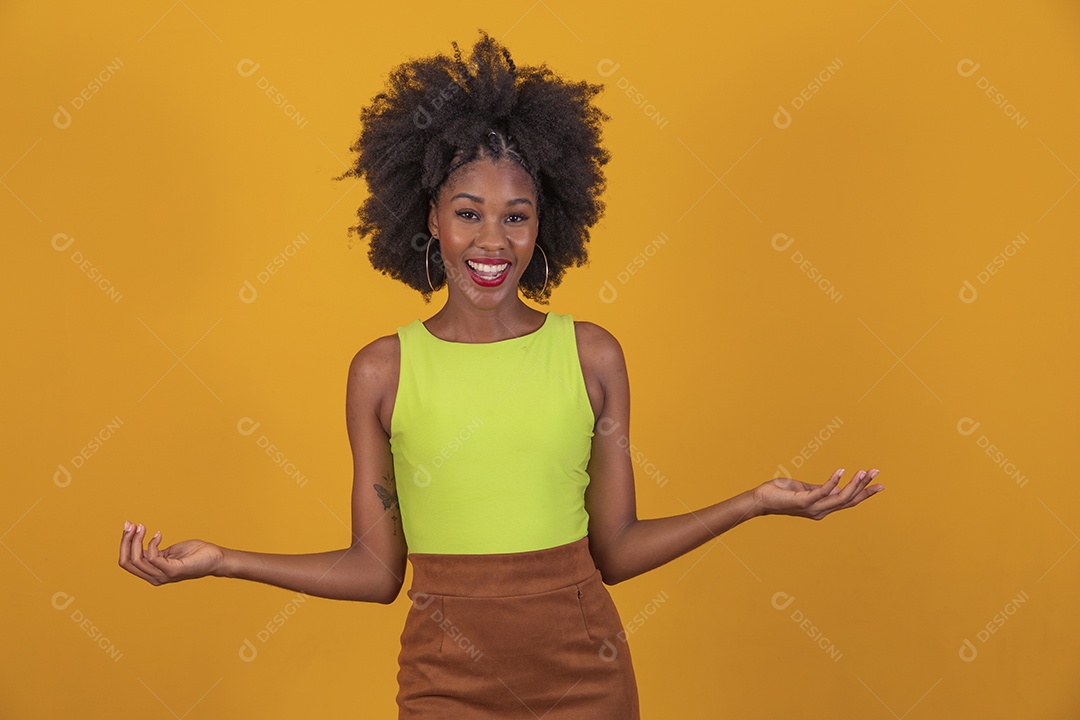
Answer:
(370, 568)
(624, 546)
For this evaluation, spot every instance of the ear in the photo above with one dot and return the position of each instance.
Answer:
(433, 219)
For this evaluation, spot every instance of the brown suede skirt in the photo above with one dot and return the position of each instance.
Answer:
(515, 635)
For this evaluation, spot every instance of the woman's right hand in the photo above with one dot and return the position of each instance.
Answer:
(181, 561)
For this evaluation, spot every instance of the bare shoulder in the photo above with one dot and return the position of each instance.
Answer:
(599, 350)
(373, 379)
(378, 360)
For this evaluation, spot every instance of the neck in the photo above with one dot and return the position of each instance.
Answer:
(461, 321)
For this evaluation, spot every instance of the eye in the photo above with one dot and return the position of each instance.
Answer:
(518, 218)
(467, 214)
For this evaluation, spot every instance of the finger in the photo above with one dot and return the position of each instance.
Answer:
(856, 492)
(127, 540)
(148, 578)
(152, 551)
(827, 488)
(138, 558)
(128, 549)
(867, 491)
(858, 482)
(837, 500)
(872, 475)
(125, 546)
(160, 558)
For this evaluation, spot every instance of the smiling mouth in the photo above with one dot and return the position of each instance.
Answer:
(488, 273)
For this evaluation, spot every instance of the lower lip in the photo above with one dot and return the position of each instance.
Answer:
(484, 282)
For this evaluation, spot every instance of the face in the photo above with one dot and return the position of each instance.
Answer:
(486, 223)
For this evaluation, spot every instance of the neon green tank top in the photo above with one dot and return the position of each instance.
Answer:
(491, 441)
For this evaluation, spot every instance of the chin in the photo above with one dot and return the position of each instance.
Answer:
(484, 297)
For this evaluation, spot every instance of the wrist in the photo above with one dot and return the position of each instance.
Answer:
(226, 566)
(759, 508)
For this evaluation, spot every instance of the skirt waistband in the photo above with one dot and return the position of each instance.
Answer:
(496, 575)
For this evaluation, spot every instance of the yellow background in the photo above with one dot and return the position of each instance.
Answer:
(899, 180)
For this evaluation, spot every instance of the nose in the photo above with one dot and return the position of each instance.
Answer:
(491, 236)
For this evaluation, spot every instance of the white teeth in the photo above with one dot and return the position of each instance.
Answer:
(486, 270)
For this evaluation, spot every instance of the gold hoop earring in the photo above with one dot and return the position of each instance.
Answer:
(427, 271)
(545, 268)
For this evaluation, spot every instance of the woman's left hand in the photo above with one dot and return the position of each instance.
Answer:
(785, 496)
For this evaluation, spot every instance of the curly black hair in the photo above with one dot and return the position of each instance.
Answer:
(438, 113)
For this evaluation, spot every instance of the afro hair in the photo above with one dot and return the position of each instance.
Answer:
(438, 113)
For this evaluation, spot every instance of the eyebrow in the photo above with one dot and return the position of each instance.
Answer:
(475, 199)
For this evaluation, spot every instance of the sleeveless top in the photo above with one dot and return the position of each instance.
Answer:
(491, 441)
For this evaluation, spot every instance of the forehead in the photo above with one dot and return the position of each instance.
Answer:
(504, 175)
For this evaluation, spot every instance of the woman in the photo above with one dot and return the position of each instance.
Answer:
(488, 441)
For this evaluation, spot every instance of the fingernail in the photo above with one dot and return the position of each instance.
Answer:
(841, 471)
(127, 526)
(157, 534)
(139, 528)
